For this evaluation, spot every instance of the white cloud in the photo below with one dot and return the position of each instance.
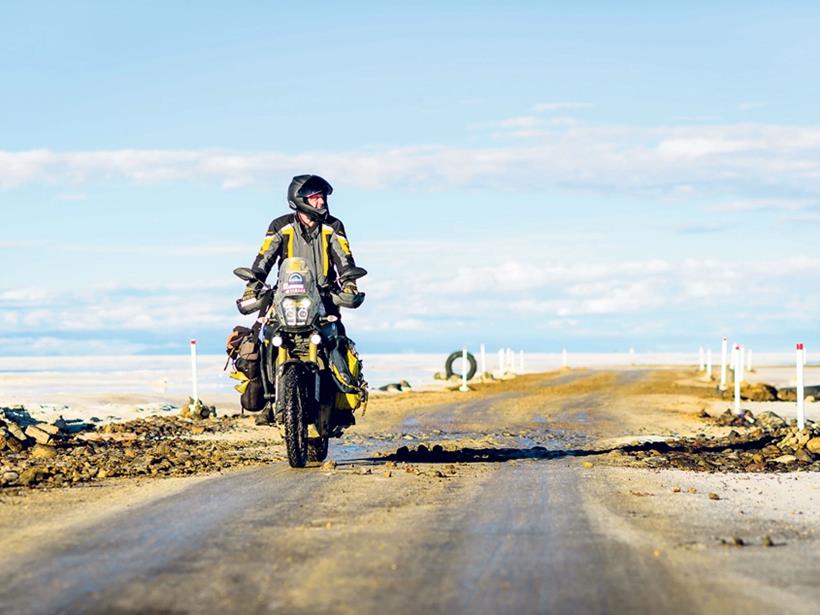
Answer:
(60, 346)
(523, 122)
(699, 146)
(739, 158)
(768, 205)
(559, 106)
(572, 298)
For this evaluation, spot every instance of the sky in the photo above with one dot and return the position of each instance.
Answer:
(539, 175)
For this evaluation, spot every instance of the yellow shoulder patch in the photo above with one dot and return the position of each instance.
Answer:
(344, 244)
(266, 243)
(287, 231)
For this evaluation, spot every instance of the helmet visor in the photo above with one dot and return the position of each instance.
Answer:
(315, 185)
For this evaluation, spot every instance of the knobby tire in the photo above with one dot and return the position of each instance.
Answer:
(292, 400)
(317, 448)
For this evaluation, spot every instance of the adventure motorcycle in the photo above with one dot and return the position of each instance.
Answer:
(311, 377)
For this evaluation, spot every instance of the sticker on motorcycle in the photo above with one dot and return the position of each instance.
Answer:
(295, 284)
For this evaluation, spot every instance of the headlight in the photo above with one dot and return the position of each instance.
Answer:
(296, 311)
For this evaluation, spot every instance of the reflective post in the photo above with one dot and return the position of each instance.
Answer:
(801, 401)
(736, 356)
(723, 353)
(464, 386)
(194, 387)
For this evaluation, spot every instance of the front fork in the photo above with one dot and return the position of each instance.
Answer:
(323, 419)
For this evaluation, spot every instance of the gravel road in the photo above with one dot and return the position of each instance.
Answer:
(524, 535)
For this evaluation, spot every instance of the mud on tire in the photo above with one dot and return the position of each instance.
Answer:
(292, 404)
(317, 448)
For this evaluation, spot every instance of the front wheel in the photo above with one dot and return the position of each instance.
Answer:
(317, 448)
(292, 402)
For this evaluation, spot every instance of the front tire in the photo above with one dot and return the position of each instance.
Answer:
(292, 403)
(317, 448)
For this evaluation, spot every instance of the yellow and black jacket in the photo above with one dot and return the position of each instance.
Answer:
(324, 247)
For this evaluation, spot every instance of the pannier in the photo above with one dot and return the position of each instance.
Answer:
(243, 351)
(346, 367)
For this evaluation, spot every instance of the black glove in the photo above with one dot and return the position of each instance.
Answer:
(252, 289)
(350, 297)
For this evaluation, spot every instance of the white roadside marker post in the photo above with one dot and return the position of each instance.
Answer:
(194, 388)
(741, 362)
(709, 363)
(801, 402)
(511, 359)
(749, 360)
(483, 361)
(736, 356)
(723, 345)
(564, 358)
(632, 356)
(464, 386)
(701, 365)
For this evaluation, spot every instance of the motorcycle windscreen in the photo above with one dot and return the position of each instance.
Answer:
(297, 299)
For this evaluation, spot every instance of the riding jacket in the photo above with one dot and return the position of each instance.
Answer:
(324, 247)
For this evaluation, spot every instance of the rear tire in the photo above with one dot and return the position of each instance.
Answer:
(317, 448)
(292, 402)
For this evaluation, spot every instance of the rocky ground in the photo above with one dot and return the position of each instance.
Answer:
(39, 454)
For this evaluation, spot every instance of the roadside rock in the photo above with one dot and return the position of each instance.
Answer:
(197, 410)
(770, 420)
(152, 446)
(39, 435)
(402, 386)
(758, 391)
(41, 451)
(765, 444)
(14, 430)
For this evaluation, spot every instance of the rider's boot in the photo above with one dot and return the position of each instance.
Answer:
(265, 417)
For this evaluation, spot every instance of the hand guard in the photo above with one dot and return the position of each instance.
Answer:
(250, 301)
(350, 297)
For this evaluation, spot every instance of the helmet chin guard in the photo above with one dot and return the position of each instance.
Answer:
(301, 187)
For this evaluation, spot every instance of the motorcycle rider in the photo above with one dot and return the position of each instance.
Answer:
(311, 233)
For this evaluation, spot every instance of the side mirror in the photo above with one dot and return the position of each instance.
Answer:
(245, 273)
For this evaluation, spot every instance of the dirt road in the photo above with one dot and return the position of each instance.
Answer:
(521, 518)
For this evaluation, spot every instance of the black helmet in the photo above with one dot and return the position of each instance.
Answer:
(301, 187)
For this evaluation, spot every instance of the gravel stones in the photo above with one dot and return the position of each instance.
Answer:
(765, 444)
(153, 446)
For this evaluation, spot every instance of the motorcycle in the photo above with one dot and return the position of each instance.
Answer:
(311, 375)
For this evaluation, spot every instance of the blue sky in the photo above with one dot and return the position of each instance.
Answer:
(534, 174)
